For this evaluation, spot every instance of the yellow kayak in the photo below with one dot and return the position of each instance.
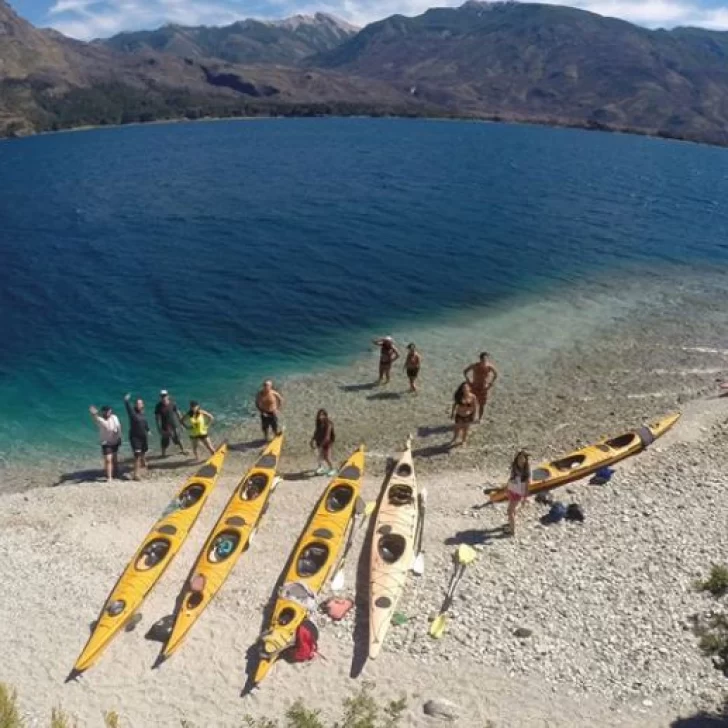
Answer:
(393, 545)
(229, 538)
(313, 560)
(589, 459)
(155, 554)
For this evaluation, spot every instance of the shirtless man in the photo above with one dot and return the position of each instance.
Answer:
(483, 378)
(269, 402)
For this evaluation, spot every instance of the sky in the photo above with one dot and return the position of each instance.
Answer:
(87, 19)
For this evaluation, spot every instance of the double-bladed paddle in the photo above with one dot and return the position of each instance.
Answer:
(418, 567)
(362, 512)
(463, 556)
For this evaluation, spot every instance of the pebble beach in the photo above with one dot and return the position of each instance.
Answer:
(603, 608)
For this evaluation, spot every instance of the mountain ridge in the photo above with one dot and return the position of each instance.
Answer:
(522, 62)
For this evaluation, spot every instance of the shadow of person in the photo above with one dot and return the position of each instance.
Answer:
(477, 537)
(428, 430)
(246, 446)
(702, 720)
(364, 387)
(432, 450)
(384, 396)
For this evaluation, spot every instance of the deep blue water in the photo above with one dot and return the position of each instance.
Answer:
(202, 257)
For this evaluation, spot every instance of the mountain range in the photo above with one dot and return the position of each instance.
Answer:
(509, 61)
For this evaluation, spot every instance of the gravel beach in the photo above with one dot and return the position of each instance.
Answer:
(606, 604)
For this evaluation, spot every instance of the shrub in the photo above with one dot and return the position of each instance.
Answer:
(717, 582)
(60, 720)
(9, 713)
(360, 711)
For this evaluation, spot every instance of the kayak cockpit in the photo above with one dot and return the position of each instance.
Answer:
(568, 463)
(400, 495)
(191, 495)
(223, 546)
(339, 498)
(152, 554)
(312, 559)
(618, 443)
(391, 547)
(253, 486)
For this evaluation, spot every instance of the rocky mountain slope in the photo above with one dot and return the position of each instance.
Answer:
(49, 82)
(510, 61)
(248, 41)
(542, 62)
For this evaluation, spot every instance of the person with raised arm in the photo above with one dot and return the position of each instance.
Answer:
(110, 437)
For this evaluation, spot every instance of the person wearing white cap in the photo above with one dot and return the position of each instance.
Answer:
(388, 354)
(167, 415)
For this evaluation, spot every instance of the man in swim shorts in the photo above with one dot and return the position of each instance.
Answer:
(483, 378)
(138, 431)
(167, 415)
(269, 403)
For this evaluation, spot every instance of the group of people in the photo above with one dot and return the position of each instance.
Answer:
(469, 402)
(168, 419)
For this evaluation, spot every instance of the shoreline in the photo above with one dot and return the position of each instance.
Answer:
(580, 125)
(607, 601)
(553, 395)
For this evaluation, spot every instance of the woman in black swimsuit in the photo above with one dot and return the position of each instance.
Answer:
(463, 411)
(388, 354)
(412, 366)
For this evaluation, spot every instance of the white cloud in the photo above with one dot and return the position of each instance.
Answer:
(86, 19)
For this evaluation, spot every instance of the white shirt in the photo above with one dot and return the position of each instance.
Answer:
(109, 429)
(518, 486)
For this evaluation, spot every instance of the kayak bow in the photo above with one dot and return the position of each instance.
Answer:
(152, 558)
(229, 539)
(392, 552)
(589, 459)
(313, 560)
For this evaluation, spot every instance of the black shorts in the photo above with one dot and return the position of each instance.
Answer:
(168, 436)
(108, 449)
(413, 372)
(139, 445)
(269, 420)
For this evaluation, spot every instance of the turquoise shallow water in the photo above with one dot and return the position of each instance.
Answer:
(203, 257)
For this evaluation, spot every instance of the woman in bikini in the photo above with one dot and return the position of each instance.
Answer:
(412, 364)
(517, 488)
(464, 408)
(388, 354)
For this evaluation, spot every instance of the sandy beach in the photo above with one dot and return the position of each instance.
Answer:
(608, 602)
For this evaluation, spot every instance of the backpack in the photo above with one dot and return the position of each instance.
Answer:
(556, 512)
(574, 512)
(306, 644)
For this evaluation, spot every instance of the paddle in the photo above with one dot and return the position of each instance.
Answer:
(362, 511)
(463, 556)
(418, 567)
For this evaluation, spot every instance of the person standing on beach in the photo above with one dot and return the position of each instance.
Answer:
(484, 375)
(138, 434)
(412, 364)
(323, 438)
(110, 437)
(388, 354)
(269, 403)
(517, 488)
(463, 412)
(167, 415)
(200, 421)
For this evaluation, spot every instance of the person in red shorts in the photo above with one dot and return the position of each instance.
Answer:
(517, 488)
